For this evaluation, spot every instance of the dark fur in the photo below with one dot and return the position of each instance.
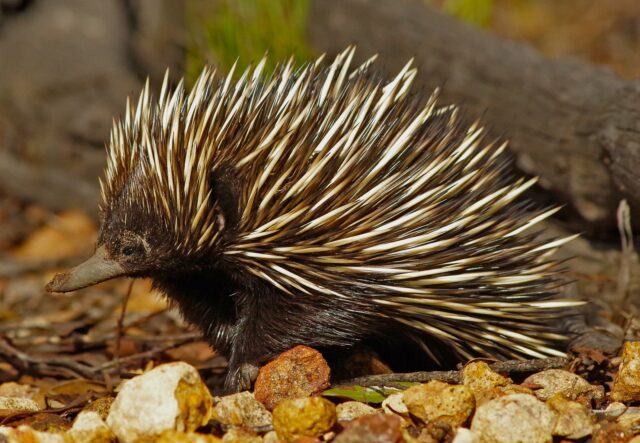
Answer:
(241, 316)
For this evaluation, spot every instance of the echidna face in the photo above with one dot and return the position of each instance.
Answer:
(130, 243)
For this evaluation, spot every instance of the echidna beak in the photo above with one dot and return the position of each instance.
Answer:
(98, 268)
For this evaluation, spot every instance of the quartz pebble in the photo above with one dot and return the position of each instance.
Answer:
(351, 410)
(573, 420)
(463, 435)
(548, 383)
(440, 402)
(236, 435)
(89, 427)
(514, 418)
(25, 434)
(393, 404)
(169, 397)
(241, 409)
(15, 405)
(271, 437)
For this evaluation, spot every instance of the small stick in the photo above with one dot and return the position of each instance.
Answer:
(120, 325)
(145, 354)
(505, 367)
(56, 366)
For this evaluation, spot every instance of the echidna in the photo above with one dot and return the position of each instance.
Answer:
(327, 207)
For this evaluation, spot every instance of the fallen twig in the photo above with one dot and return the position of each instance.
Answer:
(143, 355)
(51, 366)
(120, 325)
(508, 367)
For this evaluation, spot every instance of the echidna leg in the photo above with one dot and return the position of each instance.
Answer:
(270, 322)
(242, 377)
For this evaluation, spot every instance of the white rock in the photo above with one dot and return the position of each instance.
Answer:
(350, 410)
(270, 437)
(463, 435)
(393, 404)
(89, 427)
(514, 418)
(241, 409)
(11, 405)
(8, 434)
(558, 381)
(169, 397)
(26, 434)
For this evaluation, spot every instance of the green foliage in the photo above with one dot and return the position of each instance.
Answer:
(244, 30)
(477, 12)
(361, 393)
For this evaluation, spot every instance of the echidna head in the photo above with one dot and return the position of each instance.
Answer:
(159, 208)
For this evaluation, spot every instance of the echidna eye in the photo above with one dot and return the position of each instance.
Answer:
(128, 250)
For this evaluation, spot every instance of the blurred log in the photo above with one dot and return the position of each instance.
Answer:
(73, 63)
(575, 125)
(68, 75)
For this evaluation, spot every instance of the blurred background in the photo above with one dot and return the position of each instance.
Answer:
(560, 78)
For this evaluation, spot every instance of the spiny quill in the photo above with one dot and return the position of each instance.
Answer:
(325, 206)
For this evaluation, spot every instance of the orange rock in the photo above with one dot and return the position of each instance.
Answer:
(298, 372)
(626, 385)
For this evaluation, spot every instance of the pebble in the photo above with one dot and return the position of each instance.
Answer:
(240, 436)
(241, 409)
(26, 434)
(630, 418)
(610, 433)
(626, 384)
(573, 420)
(101, 405)
(15, 405)
(376, 428)
(351, 410)
(483, 381)
(393, 404)
(13, 389)
(89, 427)
(271, 437)
(463, 435)
(514, 418)
(303, 417)
(296, 373)
(182, 437)
(169, 397)
(437, 401)
(548, 383)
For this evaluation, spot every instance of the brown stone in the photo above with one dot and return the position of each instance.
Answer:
(303, 417)
(626, 385)
(376, 428)
(610, 433)
(440, 402)
(298, 372)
